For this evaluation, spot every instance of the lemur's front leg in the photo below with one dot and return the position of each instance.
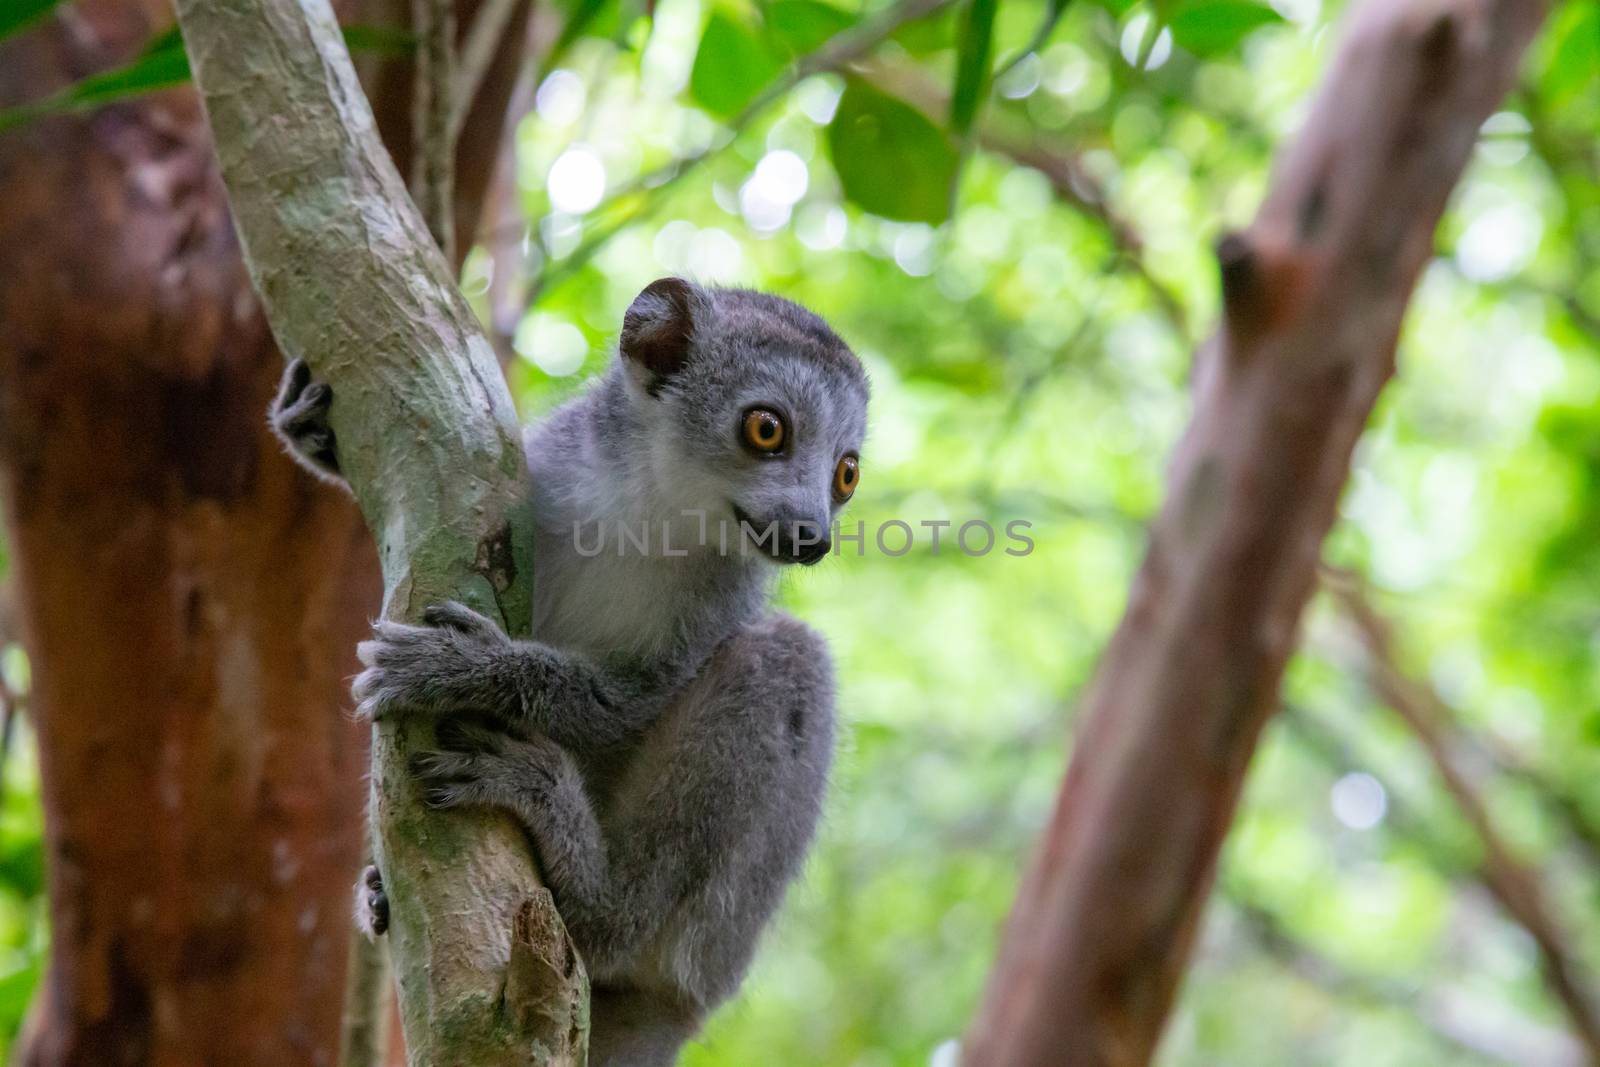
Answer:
(701, 835)
(461, 663)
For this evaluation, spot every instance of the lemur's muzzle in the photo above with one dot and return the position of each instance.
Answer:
(803, 541)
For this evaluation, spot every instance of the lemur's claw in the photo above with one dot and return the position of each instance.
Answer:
(460, 735)
(478, 766)
(300, 416)
(451, 666)
(453, 615)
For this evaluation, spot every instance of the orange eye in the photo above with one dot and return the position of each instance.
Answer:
(763, 430)
(845, 478)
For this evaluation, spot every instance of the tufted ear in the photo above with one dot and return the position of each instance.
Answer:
(658, 327)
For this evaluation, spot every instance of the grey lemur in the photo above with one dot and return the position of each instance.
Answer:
(665, 737)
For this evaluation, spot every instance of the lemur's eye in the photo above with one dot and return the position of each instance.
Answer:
(763, 430)
(845, 478)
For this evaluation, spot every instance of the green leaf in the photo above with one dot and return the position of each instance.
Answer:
(162, 68)
(972, 63)
(163, 64)
(171, 37)
(731, 66)
(1210, 27)
(926, 36)
(16, 993)
(803, 26)
(580, 18)
(18, 15)
(890, 159)
(1574, 53)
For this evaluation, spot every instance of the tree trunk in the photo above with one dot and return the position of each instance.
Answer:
(1313, 296)
(189, 599)
(428, 438)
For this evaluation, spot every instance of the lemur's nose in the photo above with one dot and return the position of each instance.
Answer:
(813, 553)
(808, 542)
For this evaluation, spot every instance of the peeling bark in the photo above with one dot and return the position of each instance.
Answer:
(1314, 293)
(353, 283)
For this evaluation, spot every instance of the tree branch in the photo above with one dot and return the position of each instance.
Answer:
(433, 118)
(1448, 1015)
(1514, 884)
(490, 28)
(352, 282)
(364, 1036)
(1313, 298)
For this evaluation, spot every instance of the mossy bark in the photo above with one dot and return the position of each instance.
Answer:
(354, 284)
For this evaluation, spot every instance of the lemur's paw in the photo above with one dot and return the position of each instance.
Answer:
(372, 904)
(483, 767)
(299, 416)
(453, 665)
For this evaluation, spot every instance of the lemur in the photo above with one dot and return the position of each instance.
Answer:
(664, 737)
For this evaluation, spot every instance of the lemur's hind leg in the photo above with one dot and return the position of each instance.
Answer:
(299, 416)
(631, 1028)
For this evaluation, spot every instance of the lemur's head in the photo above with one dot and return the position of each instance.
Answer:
(756, 411)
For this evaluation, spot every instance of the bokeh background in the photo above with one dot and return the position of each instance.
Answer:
(1028, 329)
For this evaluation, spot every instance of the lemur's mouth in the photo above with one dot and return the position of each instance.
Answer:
(779, 540)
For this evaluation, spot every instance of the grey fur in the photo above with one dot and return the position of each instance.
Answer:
(665, 737)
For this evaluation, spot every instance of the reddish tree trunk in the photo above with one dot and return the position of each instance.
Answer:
(1313, 297)
(190, 600)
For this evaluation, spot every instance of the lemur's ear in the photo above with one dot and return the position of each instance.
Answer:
(657, 328)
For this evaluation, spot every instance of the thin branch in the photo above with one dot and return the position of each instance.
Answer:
(1514, 1041)
(433, 118)
(1513, 883)
(1339, 754)
(1575, 819)
(1047, 26)
(478, 53)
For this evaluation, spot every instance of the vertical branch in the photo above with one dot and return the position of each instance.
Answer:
(1513, 883)
(1313, 295)
(479, 52)
(434, 119)
(365, 1041)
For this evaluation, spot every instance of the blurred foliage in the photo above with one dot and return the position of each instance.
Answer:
(1029, 343)
(22, 899)
(1023, 369)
